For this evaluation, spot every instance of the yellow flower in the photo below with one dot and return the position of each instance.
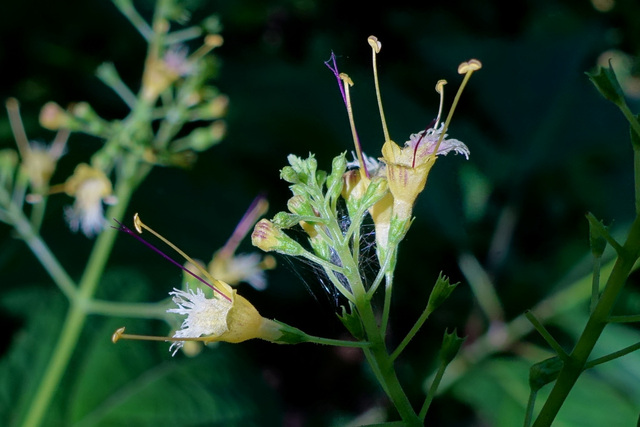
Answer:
(408, 167)
(219, 319)
(90, 187)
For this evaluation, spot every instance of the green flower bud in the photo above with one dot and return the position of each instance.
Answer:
(268, 237)
(451, 344)
(606, 82)
(288, 174)
(284, 220)
(544, 372)
(440, 293)
(203, 138)
(352, 322)
(299, 205)
(334, 181)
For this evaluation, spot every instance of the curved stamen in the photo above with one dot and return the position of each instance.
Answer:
(347, 82)
(138, 225)
(375, 48)
(466, 68)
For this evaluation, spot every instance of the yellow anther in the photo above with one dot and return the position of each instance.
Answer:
(440, 90)
(213, 40)
(137, 223)
(375, 47)
(345, 78)
(117, 335)
(223, 288)
(469, 66)
(466, 68)
(374, 43)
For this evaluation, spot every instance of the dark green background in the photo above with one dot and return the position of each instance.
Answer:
(543, 143)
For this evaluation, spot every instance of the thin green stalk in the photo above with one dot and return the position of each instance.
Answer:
(77, 315)
(42, 252)
(432, 390)
(337, 343)
(612, 356)
(595, 283)
(625, 319)
(414, 330)
(378, 357)
(154, 310)
(546, 335)
(636, 173)
(573, 367)
(530, 406)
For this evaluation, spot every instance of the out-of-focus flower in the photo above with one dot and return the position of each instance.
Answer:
(91, 188)
(233, 269)
(161, 70)
(38, 160)
(223, 316)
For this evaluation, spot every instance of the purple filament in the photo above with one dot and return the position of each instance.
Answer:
(333, 66)
(130, 232)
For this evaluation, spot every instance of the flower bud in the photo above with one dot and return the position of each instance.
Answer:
(268, 237)
(544, 372)
(203, 138)
(440, 293)
(54, 117)
(451, 344)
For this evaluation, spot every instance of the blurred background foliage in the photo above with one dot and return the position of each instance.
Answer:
(545, 149)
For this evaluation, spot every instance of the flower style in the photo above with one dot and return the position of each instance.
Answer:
(233, 269)
(90, 187)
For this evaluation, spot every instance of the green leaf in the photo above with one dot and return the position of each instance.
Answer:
(30, 349)
(139, 383)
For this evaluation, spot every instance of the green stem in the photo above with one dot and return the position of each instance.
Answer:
(155, 310)
(577, 360)
(612, 356)
(636, 171)
(530, 406)
(625, 319)
(595, 283)
(77, 314)
(546, 335)
(337, 343)
(42, 252)
(432, 390)
(414, 330)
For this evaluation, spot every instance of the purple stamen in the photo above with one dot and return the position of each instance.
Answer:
(336, 73)
(341, 83)
(130, 232)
